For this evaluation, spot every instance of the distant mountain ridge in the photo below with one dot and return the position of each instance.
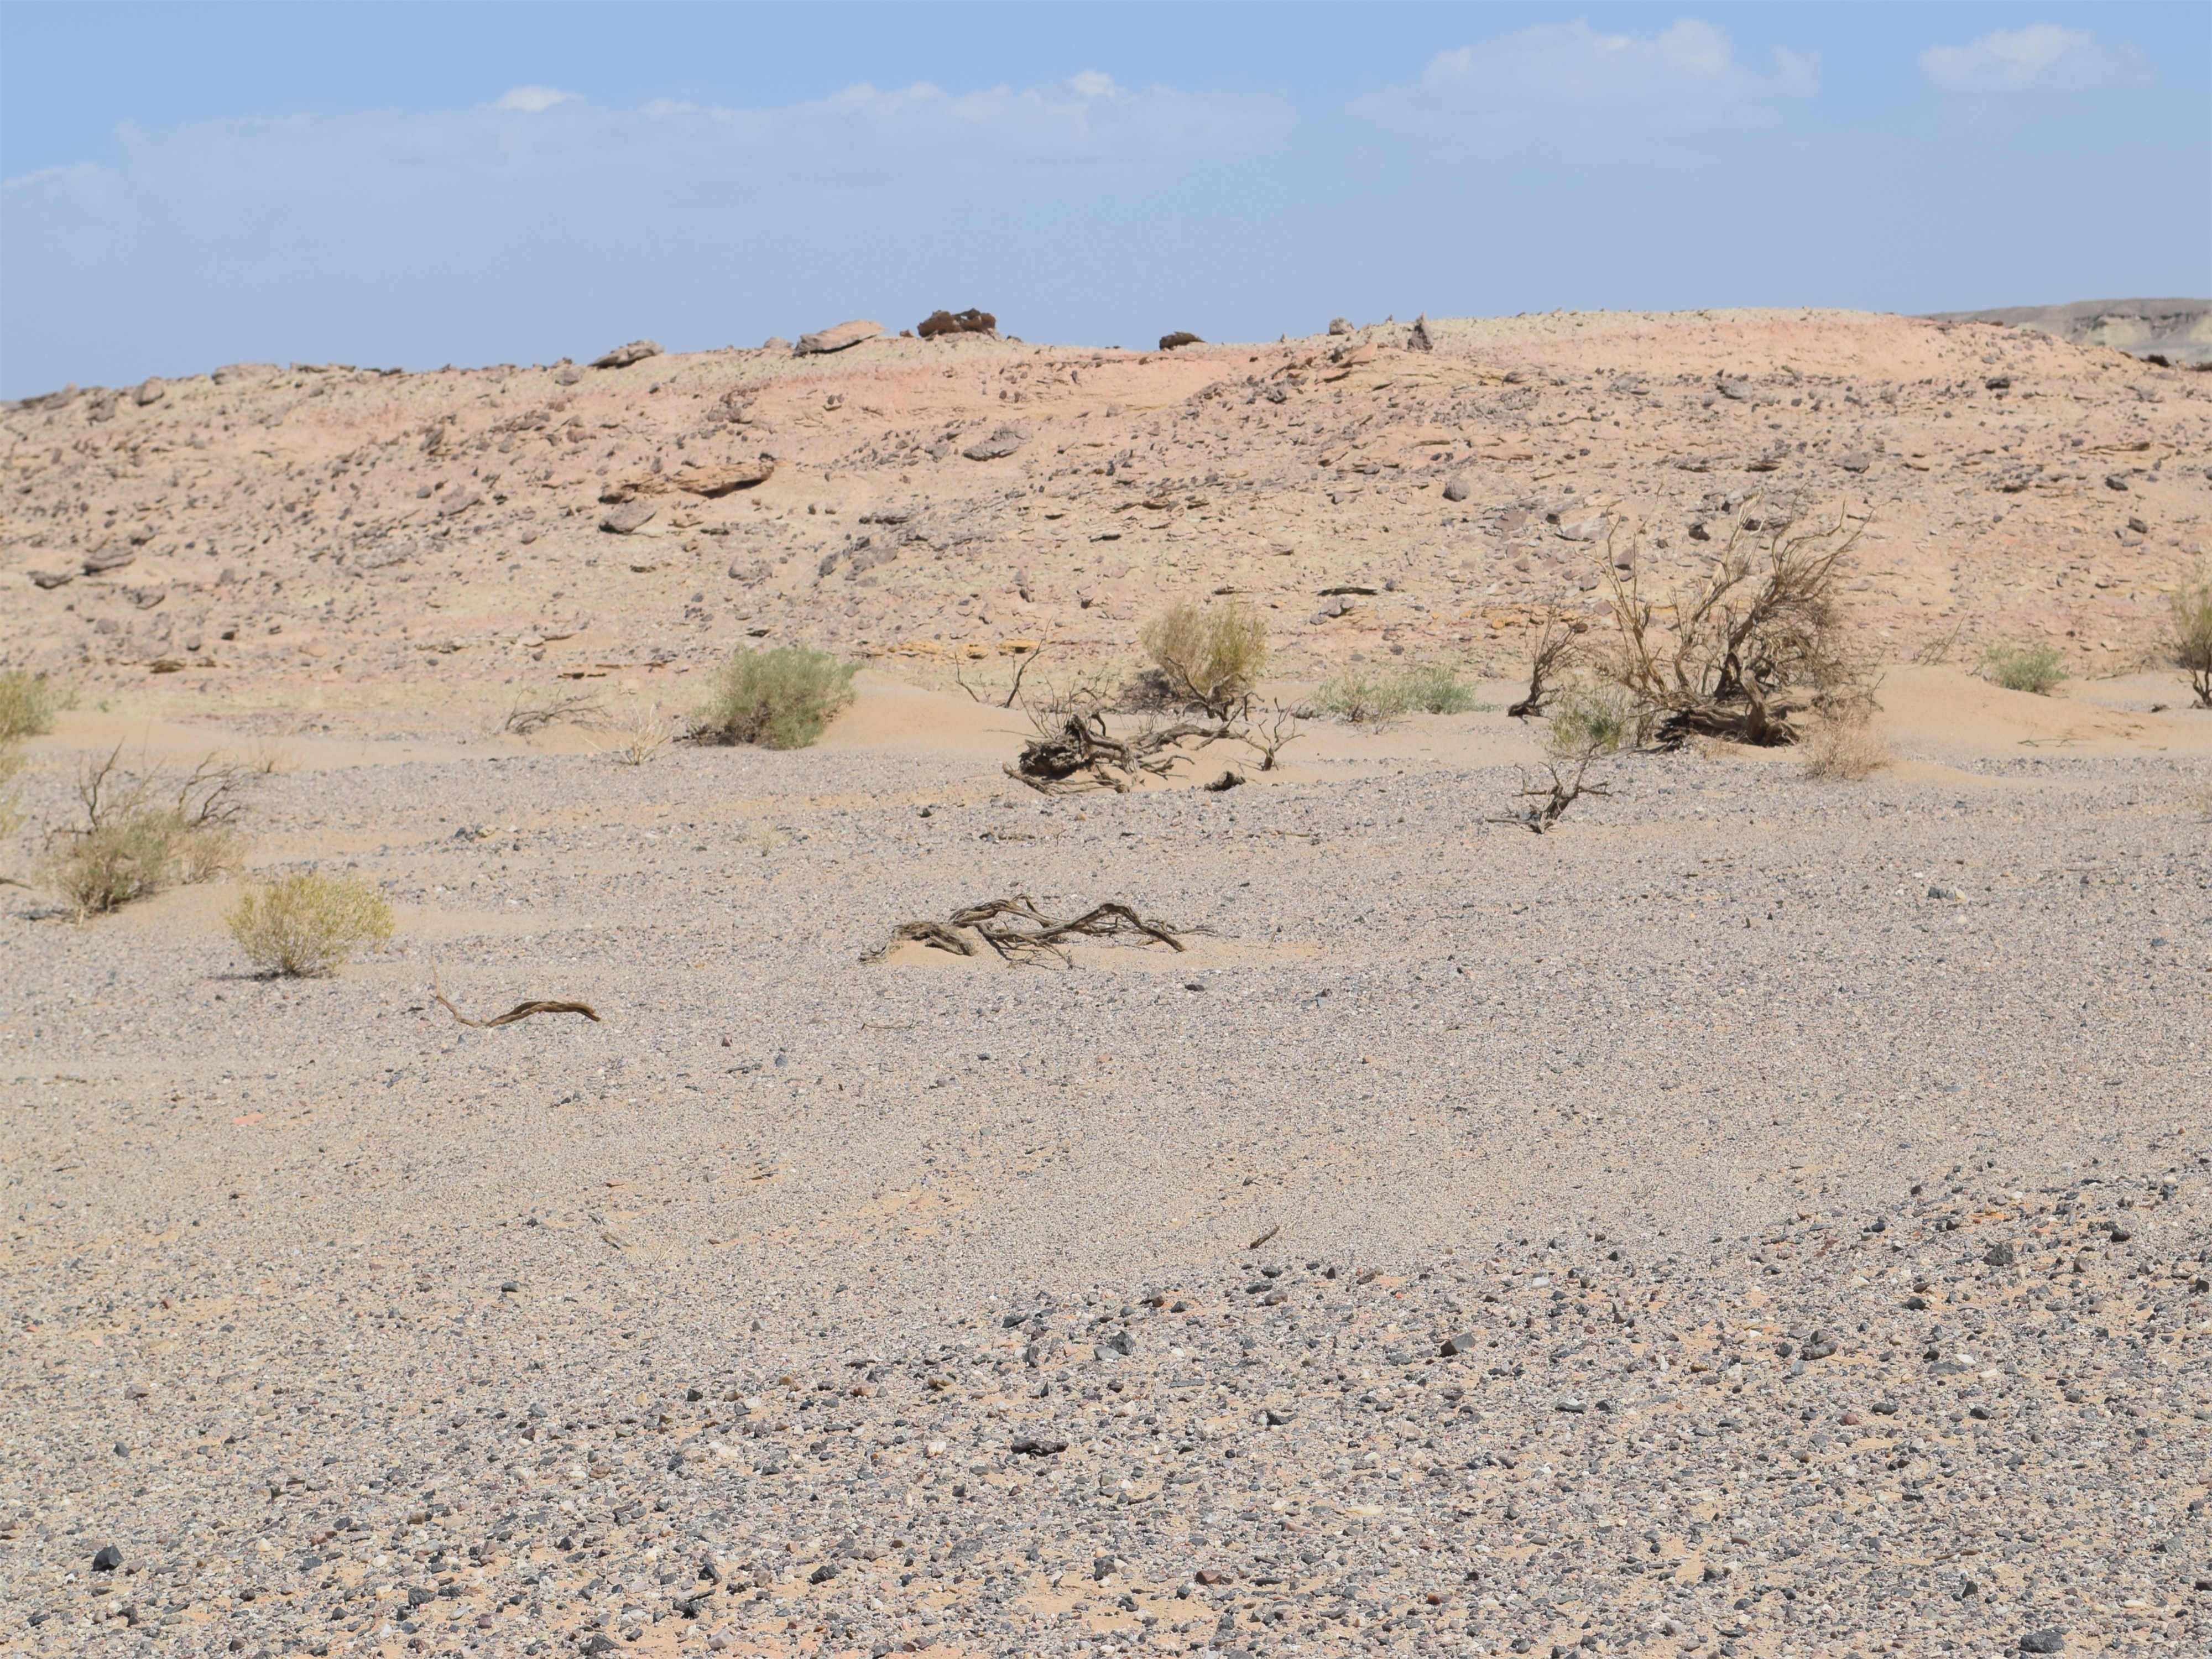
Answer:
(2179, 331)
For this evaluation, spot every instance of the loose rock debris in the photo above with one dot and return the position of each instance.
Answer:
(1020, 932)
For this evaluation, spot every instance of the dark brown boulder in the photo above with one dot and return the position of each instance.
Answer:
(971, 321)
(1170, 342)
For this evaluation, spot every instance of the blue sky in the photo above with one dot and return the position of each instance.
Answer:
(183, 185)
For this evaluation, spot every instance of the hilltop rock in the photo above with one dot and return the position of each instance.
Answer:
(622, 356)
(839, 338)
(971, 321)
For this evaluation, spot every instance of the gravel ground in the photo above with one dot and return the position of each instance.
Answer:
(1762, 1218)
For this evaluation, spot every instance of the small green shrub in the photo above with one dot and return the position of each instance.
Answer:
(1433, 688)
(2033, 668)
(1359, 698)
(1430, 689)
(2190, 640)
(1211, 658)
(27, 703)
(779, 698)
(1591, 719)
(308, 924)
(11, 763)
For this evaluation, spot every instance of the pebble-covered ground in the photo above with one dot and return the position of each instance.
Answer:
(1762, 1218)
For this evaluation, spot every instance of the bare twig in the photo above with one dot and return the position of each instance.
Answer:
(1022, 668)
(533, 711)
(1021, 933)
(1549, 802)
(1547, 663)
(1270, 732)
(520, 1011)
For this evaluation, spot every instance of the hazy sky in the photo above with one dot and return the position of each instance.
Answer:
(187, 185)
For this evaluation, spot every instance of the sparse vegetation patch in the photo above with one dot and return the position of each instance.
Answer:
(1209, 657)
(136, 837)
(779, 698)
(307, 924)
(2033, 668)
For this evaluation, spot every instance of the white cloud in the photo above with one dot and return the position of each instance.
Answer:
(535, 99)
(2019, 60)
(1687, 74)
(1101, 119)
(84, 181)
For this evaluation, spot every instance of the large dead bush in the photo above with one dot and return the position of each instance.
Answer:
(1752, 649)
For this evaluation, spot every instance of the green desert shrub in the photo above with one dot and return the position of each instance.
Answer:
(1433, 688)
(779, 698)
(27, 703)
(2034, 668)
(306, 925)
(1430, 689)
(11, 763)
(1210, 657)
(1592, 719)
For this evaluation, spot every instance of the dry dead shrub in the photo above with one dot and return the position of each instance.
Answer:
(1208, 657)
(535, 708)
(1551, 657)
(1748, 652)
(307, 924)
(636, 733)
(136, 837)
(1841, 744)
(2189, 639)
(1571, 747)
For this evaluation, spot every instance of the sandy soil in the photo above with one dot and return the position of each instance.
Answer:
(1766, 1217)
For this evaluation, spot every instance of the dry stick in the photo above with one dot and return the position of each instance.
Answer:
(999, 924)
(1265, 1236)
(520, 1011)
(1020, 668)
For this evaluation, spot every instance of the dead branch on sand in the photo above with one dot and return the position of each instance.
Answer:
(520, 1011)
(1079, 753)
(1548, 802)
(1022, 933)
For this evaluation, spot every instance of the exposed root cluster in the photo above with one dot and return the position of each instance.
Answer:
(1081, 754)
(1022, 933)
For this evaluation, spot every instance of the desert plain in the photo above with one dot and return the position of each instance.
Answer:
(1766, 1215)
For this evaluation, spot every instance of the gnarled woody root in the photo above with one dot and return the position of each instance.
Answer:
(1082, 755)
(1020, 932)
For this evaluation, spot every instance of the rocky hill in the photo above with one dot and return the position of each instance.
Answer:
(388, 535)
